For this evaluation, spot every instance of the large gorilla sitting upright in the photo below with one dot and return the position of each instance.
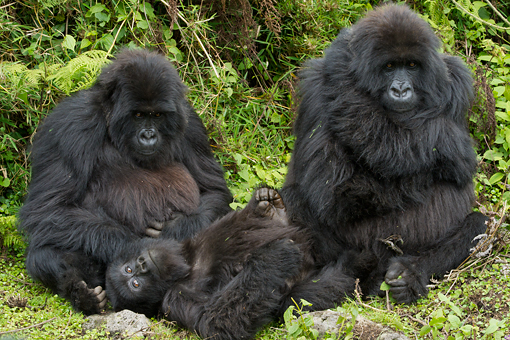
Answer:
(383, 161)
(127, 158)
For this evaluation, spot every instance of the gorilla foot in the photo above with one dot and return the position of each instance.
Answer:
(270, 204)
(87, 300)
(406, 283)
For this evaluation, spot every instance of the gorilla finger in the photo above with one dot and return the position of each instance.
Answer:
(156, 225)
(262, 194)
(397, 282)
(98, 290)
(102, 299)
(152, 232)
(395, 272)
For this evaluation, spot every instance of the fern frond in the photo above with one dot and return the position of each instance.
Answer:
(80, 72)
(18, 74)
(8, 233)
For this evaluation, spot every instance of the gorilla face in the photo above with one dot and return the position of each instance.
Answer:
(152, 128)
(399, 94)
(142, 274)
(147, 110)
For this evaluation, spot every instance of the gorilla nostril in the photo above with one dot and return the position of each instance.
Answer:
(401, 90)
(147, 137)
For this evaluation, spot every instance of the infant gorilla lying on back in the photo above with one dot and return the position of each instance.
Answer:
(231, 278)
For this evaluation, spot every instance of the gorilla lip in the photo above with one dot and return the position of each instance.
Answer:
(154, 262)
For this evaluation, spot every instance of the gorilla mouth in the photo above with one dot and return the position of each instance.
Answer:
(147, 152)
(154, 262)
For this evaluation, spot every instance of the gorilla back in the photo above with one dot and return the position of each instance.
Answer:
(124, 159)
(383, 153)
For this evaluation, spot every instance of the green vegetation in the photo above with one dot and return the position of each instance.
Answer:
(239, 59)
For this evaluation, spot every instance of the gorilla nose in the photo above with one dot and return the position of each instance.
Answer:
(147, 137)
(401, 91)
(142, 266)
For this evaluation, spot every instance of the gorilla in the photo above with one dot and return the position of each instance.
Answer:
(231, 278)
(125, 159)
(383, 161)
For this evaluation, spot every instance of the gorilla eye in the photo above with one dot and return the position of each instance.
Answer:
(157, 114)
(128, 269)
(389, 65)
(138, 115)
(412, 64)
(135, 283)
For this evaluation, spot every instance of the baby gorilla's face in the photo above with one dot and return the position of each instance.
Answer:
(139, 272)
(142, 273)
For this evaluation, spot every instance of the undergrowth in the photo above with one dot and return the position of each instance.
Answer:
(240, 60)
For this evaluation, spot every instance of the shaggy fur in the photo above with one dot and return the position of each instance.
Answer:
(125, 158)
(231, 278)
(366, 169)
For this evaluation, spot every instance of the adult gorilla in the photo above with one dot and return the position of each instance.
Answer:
(383, 161)
(124, 159)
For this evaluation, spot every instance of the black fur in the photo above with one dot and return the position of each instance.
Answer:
(231, 278)
(125, 158)
(366, 168)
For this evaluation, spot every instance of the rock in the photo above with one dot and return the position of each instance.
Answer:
(325, 322)
(126, 323)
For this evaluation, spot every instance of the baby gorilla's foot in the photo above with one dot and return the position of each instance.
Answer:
(270, 204)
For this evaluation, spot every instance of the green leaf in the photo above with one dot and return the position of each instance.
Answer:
(143, 24)
(304, 302)
(245, 174)
(294, 329)
(96, 9)
(493, 326)
(85, 43)
(103, 17)
(439, 321)
(493, 155)
(5, 182)
(69, 42)
(454, 321)
(499, 90)
(288, 315)
(148, 10)
(425, 330)
(496, 178)
(384, 286)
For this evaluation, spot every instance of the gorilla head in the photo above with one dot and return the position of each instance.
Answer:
(395, 60)
(142, 273)
(145, 108)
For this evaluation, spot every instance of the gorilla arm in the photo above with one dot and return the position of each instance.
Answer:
(65, 153)
(215, 198)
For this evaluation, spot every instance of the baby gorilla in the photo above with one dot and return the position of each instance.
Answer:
(226, 282)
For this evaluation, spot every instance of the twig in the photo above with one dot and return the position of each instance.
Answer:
(498, 12)
(358, 296)
(28, 327)
(201, 45)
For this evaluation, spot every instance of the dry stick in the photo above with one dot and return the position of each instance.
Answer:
(28, 327)
(201, 45)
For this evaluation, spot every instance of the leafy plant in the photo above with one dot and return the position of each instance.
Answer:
(299, 327)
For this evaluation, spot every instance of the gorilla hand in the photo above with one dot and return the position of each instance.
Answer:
(92, 301)
(154, 229)
(407, 285)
